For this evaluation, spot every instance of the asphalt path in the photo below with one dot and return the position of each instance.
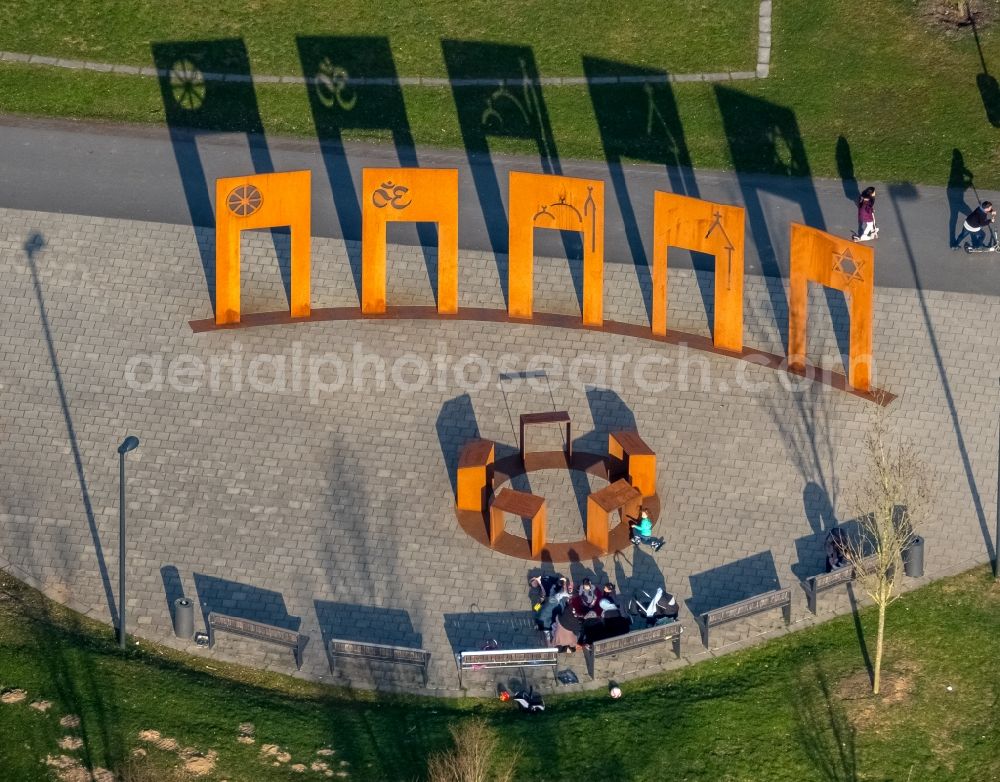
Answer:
(150, 173)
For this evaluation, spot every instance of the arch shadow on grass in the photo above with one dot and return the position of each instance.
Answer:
(194, 107)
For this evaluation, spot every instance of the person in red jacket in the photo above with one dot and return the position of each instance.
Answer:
(867, 229)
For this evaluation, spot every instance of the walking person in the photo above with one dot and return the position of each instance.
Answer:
(867, 230)
(980, 217)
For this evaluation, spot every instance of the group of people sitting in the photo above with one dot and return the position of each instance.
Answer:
(574, 617)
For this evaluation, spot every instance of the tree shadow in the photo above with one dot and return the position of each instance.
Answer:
(352, 84)
(807, 436)
(638, 119)
(197, 101)
(989, 89)
(512, 108)
(764, 138)
(33, 246)
(859, 630)
(906, 192)
(822, 728)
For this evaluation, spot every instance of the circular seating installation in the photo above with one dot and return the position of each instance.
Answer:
(483, 497)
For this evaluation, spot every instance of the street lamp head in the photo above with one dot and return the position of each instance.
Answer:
(130, 443)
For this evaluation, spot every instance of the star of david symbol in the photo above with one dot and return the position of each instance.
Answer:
(848, 265)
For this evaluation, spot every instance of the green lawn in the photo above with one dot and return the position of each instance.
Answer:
(795, 709)
(903, 94)
(695, 36)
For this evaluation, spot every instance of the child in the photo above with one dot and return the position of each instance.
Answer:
(643, 532)
(866, 217)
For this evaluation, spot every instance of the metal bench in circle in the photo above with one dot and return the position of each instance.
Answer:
(779, 598)
(402, 655)
(637, 639)
(257, 630)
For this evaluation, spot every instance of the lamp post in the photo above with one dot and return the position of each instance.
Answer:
(130, 443)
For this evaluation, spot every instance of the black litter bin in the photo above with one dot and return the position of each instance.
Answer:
(183, 618)
(913, 558)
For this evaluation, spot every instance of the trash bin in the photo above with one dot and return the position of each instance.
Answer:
(183, 618)
(913, 558)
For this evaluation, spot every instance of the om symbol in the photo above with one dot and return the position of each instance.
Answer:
(391, 195)
(332, 86)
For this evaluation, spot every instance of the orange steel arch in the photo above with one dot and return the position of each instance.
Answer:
(836, 263)
(566, 203)
(261, 201)
(408, 195)
(706, 227)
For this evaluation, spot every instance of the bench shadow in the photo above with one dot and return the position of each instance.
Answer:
(764, 139)
(365, 624)
(352, 84)
(512, 108)
(243, 601)
(195, 106)
(732, 582)
(638, 119)
(471, 630)
(646, 573)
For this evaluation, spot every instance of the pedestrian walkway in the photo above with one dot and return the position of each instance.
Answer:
(271, 482)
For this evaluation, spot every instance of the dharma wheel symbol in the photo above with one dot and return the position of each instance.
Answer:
(187, 84)
(244, 200)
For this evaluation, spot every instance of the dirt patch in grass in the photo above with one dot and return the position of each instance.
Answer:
(70, 742)
(13, 696)
(198, 763)
(867, 711)
(957, 17)
(69, 769)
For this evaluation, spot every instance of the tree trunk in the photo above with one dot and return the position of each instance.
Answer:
(878, 649)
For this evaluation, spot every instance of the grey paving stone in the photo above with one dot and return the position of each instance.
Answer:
(287, 501)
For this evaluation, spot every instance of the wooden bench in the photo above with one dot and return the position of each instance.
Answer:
(557, 417)
(257, 630)
(509, 658)
(842, 575)
(524, 505)
(475, 475)
(629, 457)
(637, 639)
(779, 598)
(402, 655)
(620, 495)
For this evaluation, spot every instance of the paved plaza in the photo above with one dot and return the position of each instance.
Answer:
(304, 475)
